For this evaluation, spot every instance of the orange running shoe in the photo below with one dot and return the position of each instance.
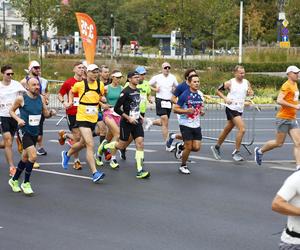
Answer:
(61, 137)
(77, 165)
(19, 145)
(107, 155)
(12, 171)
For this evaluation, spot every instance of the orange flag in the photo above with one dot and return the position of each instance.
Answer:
(88, 35)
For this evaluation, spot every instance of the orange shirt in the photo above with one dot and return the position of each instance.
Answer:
(291, 92)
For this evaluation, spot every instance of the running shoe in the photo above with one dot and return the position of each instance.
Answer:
(184, 170)
(26, 187)
(61, 137)
(98, 160)
(236, 156)
(169, 140)
(12, 171)
(114, 164)
(14, 185)
(216, 152)
(178, 150)
(97, 176)
(41, 151)
(147, 124)
(36, 165)
(257, 156)
(107, 154)
(64, 159)
(142, 174)
(77, 165)
(101, 147)
(19, 145)
(122, 154)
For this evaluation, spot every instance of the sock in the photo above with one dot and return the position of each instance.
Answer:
(113, 157)
(102, 138)
(173, 136)
(259, 151)
(139, 157)
(111, 145)
(20, 168)
(217, 146)
(76, 159)
(235, 151)
(29, 166)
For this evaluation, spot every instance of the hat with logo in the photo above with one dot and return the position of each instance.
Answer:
(141, 70)
(293, 69)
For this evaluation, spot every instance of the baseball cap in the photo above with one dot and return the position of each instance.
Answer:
(141, 70)
(92, 67)
(117, 74)
(132, 73)
(33, 64)
(293, 69)
(166, 64)
(84, 62)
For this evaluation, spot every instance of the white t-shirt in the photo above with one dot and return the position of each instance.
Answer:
(290, 191)
(8, 94)
(237, 94)
(165, 85)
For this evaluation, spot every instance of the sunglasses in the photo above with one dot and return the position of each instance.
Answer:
(9, 74)
(36, 67)
(143, 74)
(167, 67)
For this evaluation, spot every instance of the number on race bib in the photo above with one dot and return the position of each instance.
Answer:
(166, 104)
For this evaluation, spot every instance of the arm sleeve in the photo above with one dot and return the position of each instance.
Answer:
(63, 89)
(120, 103)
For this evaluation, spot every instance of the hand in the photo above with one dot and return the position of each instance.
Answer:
(52, 112)
(105, 106)
(298, 106)
(202, 113)
(67, 105)
(190, 111)
(132, 120)
(157, 89)
(227, 101)
(21, 123)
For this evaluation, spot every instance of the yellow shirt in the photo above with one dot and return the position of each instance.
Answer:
(88, 111)
(291, 92)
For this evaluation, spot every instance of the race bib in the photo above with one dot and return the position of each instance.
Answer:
(76, 101)
(238, 104)
(134, 114)
(91, 110)
(166, 104)
(34, 120)
(296, 96)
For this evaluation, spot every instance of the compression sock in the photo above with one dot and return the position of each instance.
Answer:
(20, 168)
(29, 166)
(139, 157)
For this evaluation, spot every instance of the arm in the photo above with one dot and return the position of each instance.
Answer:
(120, 112)
(250, 91)
(178, 110)
(47, 113)
(19, 102)
(221, 88)
(281, 101)
(281, 206)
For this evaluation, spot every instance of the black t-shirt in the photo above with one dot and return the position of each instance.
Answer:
(128, 102)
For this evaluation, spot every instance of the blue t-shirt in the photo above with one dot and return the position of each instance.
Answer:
(181, 88)
(189, 99)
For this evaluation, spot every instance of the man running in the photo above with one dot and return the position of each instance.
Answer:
(286, 118)
(89, 93)
(163, 84)
(128, 107)
(189, 107)
(9, 91)
(238, 88)
(71, 111)
(31, 106)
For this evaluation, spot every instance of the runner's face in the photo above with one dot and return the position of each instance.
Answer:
(34, 86)
(142, 77)
(79, 70)
(135, 80)
(105, 74)
(8, 75)
(293, 76)
(93, 75)
(36, 71)
(240, 74)
(195, 83)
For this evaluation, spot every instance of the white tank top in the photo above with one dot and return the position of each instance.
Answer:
(237, 94)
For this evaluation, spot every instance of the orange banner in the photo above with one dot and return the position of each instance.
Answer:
(88, 34)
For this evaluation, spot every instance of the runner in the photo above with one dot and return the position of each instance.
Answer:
(165, 83)
(31, 106)
(89, 93)
(127, 107)
(9, 91)
(111, 118)
(189, 107)
(286, 118)
(238, 88)
(71, 111)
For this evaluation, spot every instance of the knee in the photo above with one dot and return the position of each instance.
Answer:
(8, 142)
(140, 145)
(196, 148)
(297, 144)
(242, 130)
(279, 144)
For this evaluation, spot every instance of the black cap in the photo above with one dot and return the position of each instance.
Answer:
(132, 73)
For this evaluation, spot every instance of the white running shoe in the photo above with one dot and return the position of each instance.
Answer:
(148, 123)
(184, 170)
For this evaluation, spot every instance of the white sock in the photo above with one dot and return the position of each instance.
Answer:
(76, 159)
(173, 136)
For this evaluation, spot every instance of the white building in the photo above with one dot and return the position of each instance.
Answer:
(15, 27)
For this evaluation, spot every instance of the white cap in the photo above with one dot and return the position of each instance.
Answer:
(33, 64)
(92, 67)
(117, 74)
(293, 69)
(84, 62)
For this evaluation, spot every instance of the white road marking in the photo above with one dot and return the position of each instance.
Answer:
(283, 168)
(63, 174)
(1, 227)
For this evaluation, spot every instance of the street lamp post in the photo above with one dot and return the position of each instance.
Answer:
(112, 34)
(4, 24)
(241, 33)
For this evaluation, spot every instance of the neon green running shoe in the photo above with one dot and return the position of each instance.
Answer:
(14, 185)
(142, 174)
(26, 187)
(98, 160)
(114, 164)
(101, 147)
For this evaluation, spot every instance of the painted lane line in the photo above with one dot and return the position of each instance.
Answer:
(283, 168)
(63, 174)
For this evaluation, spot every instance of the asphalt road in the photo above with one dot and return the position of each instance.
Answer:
(221, 205)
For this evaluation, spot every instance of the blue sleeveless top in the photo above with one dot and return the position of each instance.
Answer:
(31, 114)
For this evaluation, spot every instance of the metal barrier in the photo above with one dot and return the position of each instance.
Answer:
(214, 121)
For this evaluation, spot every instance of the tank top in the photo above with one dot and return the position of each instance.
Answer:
(31, 113)
(113, 94)
(237, 95)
